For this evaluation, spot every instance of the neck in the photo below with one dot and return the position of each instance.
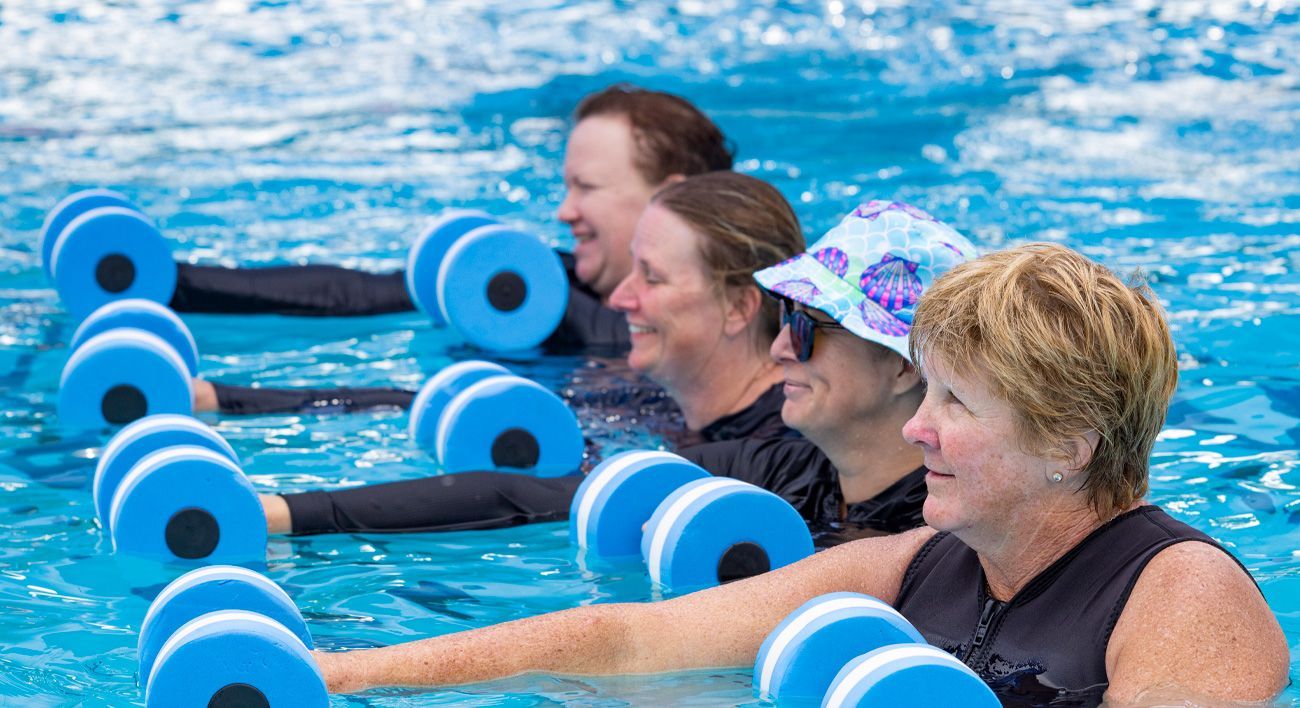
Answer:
(1030, 541)
(707, 397)
(871, 455)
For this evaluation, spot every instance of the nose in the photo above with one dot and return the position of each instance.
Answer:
(919, 430)
(568, 209)
(624, 297)
(782, 349)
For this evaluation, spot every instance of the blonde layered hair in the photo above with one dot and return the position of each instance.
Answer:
(1070, 347)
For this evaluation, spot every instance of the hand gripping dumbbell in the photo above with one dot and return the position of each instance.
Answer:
(226, 637)
(699, 530)
(170, 487)
(849, 649)
(476, 415)
(130, 358)
(501, 288)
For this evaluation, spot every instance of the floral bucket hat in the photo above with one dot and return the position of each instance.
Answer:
(871, 269)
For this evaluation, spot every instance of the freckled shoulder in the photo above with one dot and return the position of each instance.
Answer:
(1195, 624)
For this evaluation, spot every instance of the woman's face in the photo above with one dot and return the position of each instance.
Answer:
(845, 383)
(979, 476)
(675, 314)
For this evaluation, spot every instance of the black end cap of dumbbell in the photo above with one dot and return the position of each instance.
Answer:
(192, 533)
(516, 447)
(743, 560)
(123, 403)
(506, 291)
(238, 695)
(115, 272)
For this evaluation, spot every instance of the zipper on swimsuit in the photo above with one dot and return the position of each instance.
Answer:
(992, 610)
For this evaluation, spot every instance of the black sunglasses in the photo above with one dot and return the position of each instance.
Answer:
(803, 328)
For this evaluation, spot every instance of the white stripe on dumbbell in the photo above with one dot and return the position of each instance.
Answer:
(606, 478)
(212, 572)
(464, 398)
(672, 518)
(190, 628)
(148, 340)
(155, 460)
(439, 381)
(149, 425)
(878, 662)
(792, 630)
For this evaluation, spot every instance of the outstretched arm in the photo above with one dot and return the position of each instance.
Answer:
(722, 626)
(1195, 627)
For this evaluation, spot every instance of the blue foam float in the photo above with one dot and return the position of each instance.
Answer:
(618, 497)
(69, 208)
(429, 250)
(908, 676)
(146, 315)
(235, 658)
(121, 375)
(137, 440)
(799, 659)
(715, 530)
(111, 253)
(210, 589)
(437, 392)
(188, 503)
(508, 423)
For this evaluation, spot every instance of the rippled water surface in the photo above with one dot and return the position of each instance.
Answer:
(1158, 136)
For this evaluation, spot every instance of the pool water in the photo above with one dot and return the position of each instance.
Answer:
(1153, 136)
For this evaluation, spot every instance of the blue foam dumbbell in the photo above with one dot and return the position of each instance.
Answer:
(908, 676)
(800, 658)
(105, 253)
(141, 314)
(618, 497)
(210, 589)
(500, 288)
(712, 531)
(235, 658)
(141, 438)
(473, 417)
(187, 503)
(121, 375)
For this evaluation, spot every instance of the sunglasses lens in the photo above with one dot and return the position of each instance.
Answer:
(801, 329)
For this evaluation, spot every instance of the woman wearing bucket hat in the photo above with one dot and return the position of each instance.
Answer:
(1042, 569)
(848, 385)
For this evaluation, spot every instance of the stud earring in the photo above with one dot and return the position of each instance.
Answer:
(1057, 476)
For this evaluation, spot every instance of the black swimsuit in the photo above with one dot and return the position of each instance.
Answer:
(1047, 645)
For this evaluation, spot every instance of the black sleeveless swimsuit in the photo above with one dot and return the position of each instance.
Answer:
(1047, 645)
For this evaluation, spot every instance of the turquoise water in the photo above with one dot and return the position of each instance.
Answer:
(1151, 136)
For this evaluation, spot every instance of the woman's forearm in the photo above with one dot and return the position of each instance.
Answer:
(594, 640)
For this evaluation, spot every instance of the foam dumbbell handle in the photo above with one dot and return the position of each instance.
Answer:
(617, 498)
(512, 424)
(145, 315)
(234, 658)
(502, 289)
(210, 589)
(137, 440)
(188, 503)
(712, 531)
(111, 253)
(438, 391)
(800, 658)
(427, 253)
(908, 675)
(69, 208)
(122, 375)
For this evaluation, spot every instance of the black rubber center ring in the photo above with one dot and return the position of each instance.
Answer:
(515, 447)
(238, 695)
(123, 403)
(192, 533)
(506, 291)
(743, 560)
(115, 272)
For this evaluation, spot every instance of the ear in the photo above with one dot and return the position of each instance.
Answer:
(741, 306)
(906, 377)
(1080, 449)
(671, 179)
